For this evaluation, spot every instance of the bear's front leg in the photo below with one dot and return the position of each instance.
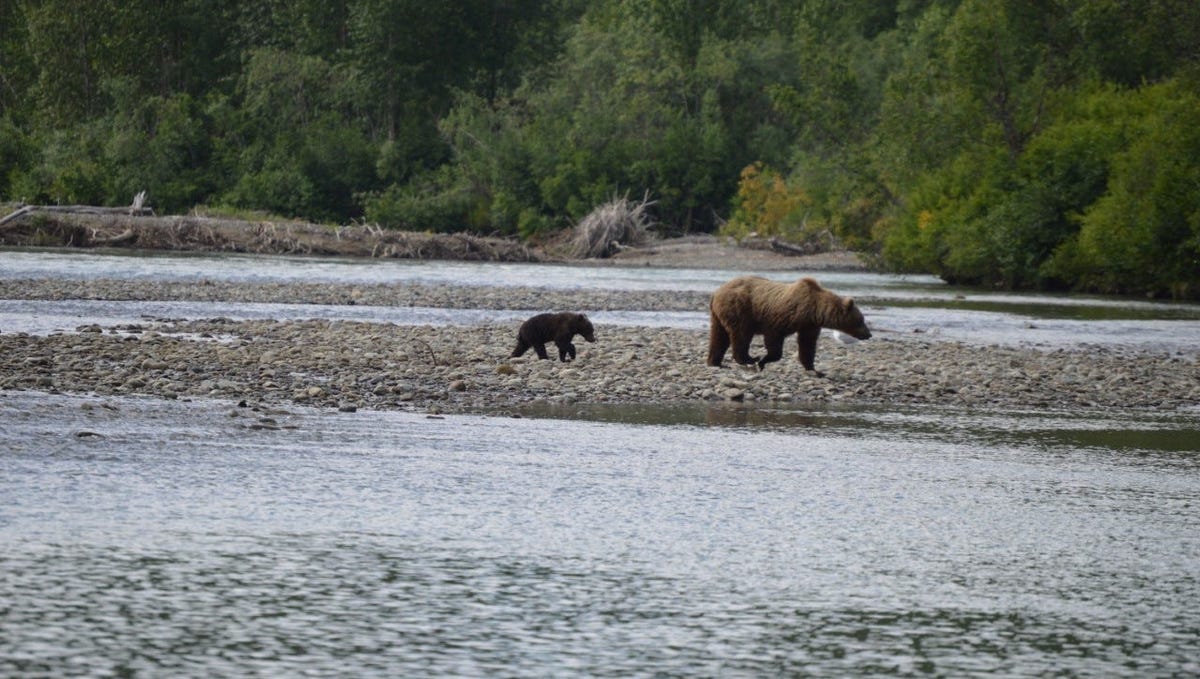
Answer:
(807, 339)
(521, 348)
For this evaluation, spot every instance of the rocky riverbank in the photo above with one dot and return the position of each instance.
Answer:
(353, 365)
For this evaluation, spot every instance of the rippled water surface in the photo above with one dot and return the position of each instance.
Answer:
(18, 263)
(143, 537)
(895, 304)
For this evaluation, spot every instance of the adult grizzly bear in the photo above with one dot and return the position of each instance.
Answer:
(559, 328)
(752, 305)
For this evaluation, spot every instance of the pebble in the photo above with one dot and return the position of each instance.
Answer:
(349, 365)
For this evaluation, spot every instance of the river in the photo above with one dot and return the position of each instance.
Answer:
(894, 303)
(147, 537)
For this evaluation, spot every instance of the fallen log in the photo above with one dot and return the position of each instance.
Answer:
(127, 236)
(789, 249)
(15, 215)
(94, 210)
(137, 208)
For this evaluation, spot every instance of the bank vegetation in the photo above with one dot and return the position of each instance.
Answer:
(1005, 143)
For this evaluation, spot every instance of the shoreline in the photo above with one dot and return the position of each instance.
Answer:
(359, 365)
(351, 365)
(200, 233)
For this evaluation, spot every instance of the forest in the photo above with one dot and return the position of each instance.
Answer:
(1017, 144)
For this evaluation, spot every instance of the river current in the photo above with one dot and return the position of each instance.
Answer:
(145, 537)
(899, 304)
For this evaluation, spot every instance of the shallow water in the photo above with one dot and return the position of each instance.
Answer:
(148, 537)
(979, 327)
(902, 290)
(893, 304)
(143, 537)
(134, 265)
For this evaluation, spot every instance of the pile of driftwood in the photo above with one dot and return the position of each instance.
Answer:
(137, 227)
(138, 207)
(618, 224)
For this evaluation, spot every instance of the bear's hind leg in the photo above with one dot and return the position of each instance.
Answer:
(718, 342)
(541, 351)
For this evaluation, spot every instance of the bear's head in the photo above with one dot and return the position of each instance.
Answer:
(582, 326)
(851, 321)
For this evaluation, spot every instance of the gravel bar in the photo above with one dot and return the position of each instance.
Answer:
(352, 365)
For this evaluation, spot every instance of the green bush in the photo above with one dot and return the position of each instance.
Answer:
(433, 207)
(1143, 234)
(1006, 222)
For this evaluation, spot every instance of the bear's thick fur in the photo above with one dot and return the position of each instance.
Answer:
(559, 328)
(752, 305)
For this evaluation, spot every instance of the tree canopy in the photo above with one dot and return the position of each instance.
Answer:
(1010, 143)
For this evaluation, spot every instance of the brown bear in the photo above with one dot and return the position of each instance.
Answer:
(752, 305)
(559, 328)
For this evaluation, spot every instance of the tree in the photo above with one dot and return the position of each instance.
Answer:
(1132, 42)
(1143, 234)
(294, 141)
(66, 45)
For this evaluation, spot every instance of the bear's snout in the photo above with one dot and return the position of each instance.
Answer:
(862, 333)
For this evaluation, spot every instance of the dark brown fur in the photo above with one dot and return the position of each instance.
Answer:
(751, 305)
(559, 328)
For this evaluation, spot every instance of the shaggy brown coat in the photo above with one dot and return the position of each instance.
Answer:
(752, 305)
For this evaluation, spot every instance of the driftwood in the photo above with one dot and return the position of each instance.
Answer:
(123, 238)
(824, 241)
(137, 208)
(210, 234)
(789, 249)
(137, 226)
(613, 226)
(19, 213)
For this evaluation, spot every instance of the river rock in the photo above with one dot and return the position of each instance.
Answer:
(376, 365)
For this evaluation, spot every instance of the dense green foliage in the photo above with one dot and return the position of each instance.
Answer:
(1014, 143)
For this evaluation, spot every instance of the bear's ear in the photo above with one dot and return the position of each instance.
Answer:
(849, 303)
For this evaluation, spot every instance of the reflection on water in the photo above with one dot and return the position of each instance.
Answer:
(200, 539)
(160, 538)
(1144, 433)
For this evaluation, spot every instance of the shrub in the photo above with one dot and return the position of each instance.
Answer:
(768, 207)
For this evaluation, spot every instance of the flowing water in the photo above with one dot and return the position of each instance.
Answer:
(901, 304)
(146, 537)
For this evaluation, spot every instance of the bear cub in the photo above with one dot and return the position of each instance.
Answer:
(752, 305)
(559, 328)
